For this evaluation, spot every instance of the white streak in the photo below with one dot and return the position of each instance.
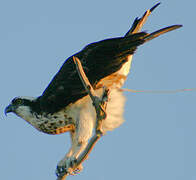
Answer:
(126, 67)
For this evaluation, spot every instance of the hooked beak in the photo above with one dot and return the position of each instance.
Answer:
(9, 109)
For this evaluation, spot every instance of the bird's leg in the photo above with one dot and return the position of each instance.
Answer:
(67, 164)
(83, 148)
(98, 102)
(64, 164)
(100, 108)
(79, 137)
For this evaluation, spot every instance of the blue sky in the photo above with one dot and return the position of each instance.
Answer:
(157, 141)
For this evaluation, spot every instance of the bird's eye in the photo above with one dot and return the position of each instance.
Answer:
(17, 101)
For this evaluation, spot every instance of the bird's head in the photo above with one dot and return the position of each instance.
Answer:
(21, 106)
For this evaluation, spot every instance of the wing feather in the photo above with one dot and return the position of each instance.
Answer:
(98, 59)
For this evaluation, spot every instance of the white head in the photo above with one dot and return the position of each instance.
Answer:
(22, 107)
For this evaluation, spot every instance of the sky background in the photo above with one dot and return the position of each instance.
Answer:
(157, 141)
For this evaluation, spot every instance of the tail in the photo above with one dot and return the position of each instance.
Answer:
(155, 34)
(127, 45)
(139, 22)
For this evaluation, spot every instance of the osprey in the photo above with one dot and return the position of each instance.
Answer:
(65, 105)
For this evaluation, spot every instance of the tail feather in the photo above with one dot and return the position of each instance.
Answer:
(155, 34)
(129, 44)
(139, 22)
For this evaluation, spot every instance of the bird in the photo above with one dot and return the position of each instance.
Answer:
(65, 106)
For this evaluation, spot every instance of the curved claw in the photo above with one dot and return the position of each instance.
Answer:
(77, 170)
(61, 171)
(68, 168)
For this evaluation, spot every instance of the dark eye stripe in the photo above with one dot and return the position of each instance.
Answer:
(17, 101)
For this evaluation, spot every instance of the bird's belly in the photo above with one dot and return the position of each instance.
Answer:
(48, 129)
(55, 124)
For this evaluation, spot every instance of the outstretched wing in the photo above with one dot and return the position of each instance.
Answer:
(98, 59)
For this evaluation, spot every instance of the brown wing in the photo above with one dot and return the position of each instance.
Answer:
(98, 59)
